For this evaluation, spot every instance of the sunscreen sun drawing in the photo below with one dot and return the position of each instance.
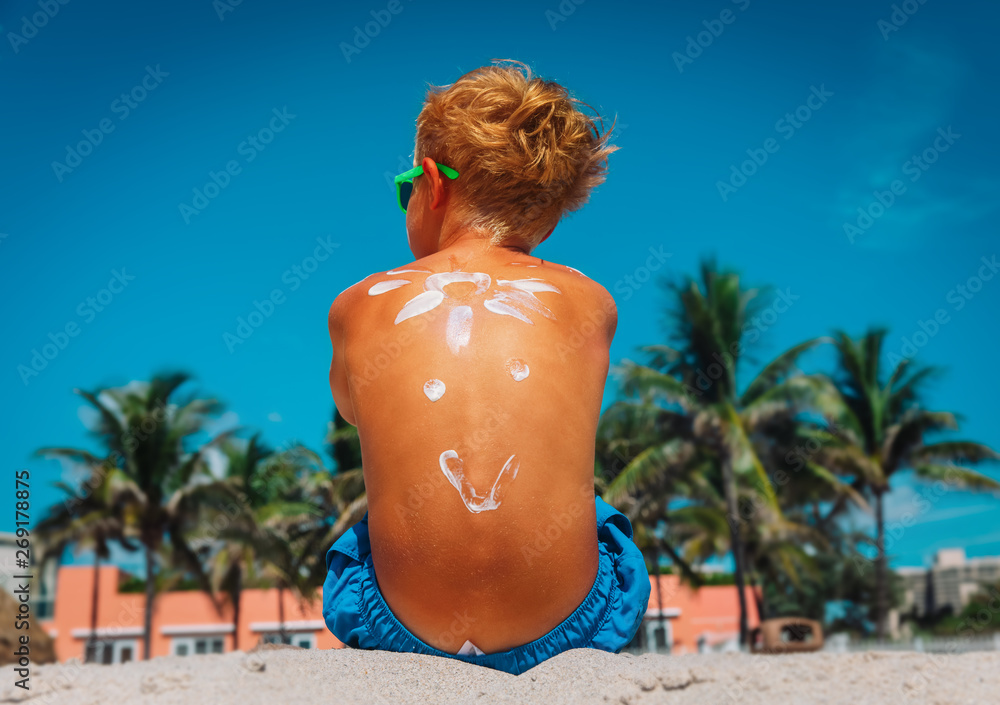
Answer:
(516, 298)
(506, 297)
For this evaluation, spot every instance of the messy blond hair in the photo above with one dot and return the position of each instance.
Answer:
(525, 151)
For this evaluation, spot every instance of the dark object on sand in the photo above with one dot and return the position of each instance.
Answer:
(41, 648)
(786, 635)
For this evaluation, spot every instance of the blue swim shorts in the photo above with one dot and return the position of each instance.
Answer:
(607, 619)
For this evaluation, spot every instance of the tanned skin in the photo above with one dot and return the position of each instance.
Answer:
(499, 578)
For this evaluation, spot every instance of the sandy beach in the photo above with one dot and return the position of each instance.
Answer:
(304, 677)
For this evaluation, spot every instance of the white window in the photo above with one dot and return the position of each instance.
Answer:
(659, 635)
(109, 651)
(188, 645)
(307, 640)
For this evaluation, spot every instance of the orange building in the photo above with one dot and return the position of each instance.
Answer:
(186, 622)
(692, 619)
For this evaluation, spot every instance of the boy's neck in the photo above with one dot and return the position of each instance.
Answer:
(473, 242)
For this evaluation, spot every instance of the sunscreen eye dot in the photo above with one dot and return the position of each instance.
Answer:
(434, 389)
(517, 369)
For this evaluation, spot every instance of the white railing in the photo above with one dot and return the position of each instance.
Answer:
(938, 645)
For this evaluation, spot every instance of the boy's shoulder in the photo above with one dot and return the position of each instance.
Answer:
(353, 296)
(585, 282)
(364, 287)
(568, 278)
(580, 284)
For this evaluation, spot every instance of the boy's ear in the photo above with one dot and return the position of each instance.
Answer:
(547, 235)
(434, 181)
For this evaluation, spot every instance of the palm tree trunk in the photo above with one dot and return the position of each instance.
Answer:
(758, 596)
(736, 543)
(236, 597)
(880, 568)
(661, 618)
(281, 611)
(147, 627)
(90, 652)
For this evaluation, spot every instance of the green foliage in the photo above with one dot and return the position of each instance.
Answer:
(343, 444)
(981, 617)
(982, 614)
(686, 449)
(268, 520)
(881, 428)
(704, 466)
(704, 462)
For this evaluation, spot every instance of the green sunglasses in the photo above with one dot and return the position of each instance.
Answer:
(404, 183)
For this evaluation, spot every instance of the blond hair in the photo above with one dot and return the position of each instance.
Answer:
(525, 152)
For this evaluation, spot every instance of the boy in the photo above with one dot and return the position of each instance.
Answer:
(474, 375)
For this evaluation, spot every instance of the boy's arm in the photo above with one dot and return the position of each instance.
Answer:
(606, 304)
(611, 314)
(338, 370)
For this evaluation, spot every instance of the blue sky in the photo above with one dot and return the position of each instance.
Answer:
(308, 131)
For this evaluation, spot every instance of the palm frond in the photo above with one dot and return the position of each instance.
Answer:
(959, 477)
(953, 451)
(657, 461)
(778, 368)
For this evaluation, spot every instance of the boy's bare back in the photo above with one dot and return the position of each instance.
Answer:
(475, 377)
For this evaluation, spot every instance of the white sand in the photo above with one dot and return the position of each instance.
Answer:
(300, 677)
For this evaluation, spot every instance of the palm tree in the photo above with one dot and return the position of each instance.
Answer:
(86, 519)
(228, 541)
(711, 434)
(290, 510)
(343, 490)
(292, 526)
(880, 427)
(147, 428)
